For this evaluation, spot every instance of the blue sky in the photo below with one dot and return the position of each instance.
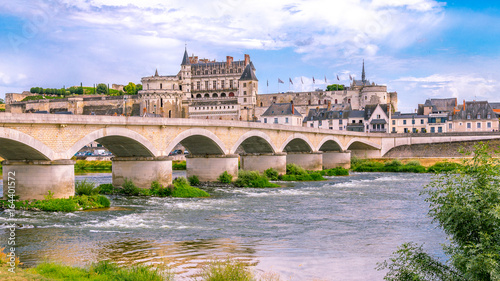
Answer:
(419, 48)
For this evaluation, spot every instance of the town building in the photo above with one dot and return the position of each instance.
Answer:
(283, 114)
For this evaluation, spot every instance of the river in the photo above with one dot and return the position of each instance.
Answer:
(332, 230)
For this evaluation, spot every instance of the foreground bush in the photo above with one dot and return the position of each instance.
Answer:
(129, 188)
(71, 204)
(297, 173)
(271, 174)
(253, 179)
(194, 180)
(339, 171)
(465, 204)
(229, 270)
(390, 166)
(184, 190)
(443, 167)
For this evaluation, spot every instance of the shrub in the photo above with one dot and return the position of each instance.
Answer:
(271, 174)
(293, 169)
(85, 187)
(443, 167)
(253, 179)
(368, 166)
(181, 188)
(228, 270)
(158, 190)
(129, 188)
(413, 163)
(194, 180)
(225, 177)
(179, 165)
(106, 188)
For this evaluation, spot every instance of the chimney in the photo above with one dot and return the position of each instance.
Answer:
(247, 59)
(229, 61)
(464, 105)
(293, 109)
(329, 105)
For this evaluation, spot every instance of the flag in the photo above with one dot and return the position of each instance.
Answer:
(325, 79)
(291, 82)
(314, 81)
(279, 81)
(301, 80)
(338, 77)
(268, 83)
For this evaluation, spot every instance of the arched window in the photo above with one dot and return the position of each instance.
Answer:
(231, 94)
(198, 96)
(309, 102)
(223, 95)
(170, 114)
(348, 100)
(207, 95)
(319, 101)
(260, 104)
(336, 101)
(161, 86)
(214, 95)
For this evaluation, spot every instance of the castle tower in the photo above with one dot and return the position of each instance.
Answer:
(247, 92)
(185, 75)
(363, 77)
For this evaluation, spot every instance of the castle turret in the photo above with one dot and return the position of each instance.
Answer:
(185, 75)
(248, 89)
(363, 77)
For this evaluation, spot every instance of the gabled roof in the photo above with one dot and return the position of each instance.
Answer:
(281, 109)
(370, 108)
(248, 74)
(443, 105)
(473, 109)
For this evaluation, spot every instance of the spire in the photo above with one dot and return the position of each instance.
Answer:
(363, 78)
(248, 74)
(185, 59)
(156, 72)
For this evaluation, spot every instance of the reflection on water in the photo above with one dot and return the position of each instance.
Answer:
(333, 230)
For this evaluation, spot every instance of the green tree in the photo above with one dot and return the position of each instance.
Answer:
(466, 205)
(101, 89)
(2, 101)
(131, 89)
(138, 87)
(335, 87)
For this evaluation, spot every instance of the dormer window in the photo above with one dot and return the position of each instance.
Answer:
(488, 116)
(478, 116)
(468, 116)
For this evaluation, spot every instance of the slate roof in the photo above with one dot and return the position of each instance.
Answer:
(472, 109)
(281, 109)
(443, 105)
(248, 74)
(354, 114)
(370, 108)
(185, 59)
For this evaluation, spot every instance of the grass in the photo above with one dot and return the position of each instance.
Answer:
(87, 166)
(253, 179)
(86, 188)
(179, 165)
(74, 203)
(228, 270)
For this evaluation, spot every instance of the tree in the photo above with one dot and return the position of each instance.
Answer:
(2, 101)
(335, 87)
(138, 87)
(101, 89)
(466, 205)
(130, 89)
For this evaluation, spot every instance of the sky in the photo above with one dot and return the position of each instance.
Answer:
(418, 48)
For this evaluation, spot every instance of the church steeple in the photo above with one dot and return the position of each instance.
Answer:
(185, 59)
(363, 77)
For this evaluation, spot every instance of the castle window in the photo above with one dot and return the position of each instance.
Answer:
(468, 116)
(478, 125)
(239, 69)
(231, 84)
(488, 124)
(206, 72)
(488, 116)
(223, 71)
(147, 86)
(206, 85)
(319, 101)
(214, 95)
(366, 97)
(348, 100)
(161, 86)
(245, 100)
(207, 95)
(170, 114)
(244, 84)
(231, 95)
(265, 120)
(214, 84)
(336, 101)
(309, 102)
(161, 102)
(421, 121)
(325, 102)
(198, 96)
(222, 84)
(231, 70)
(198, 73)
(223, 95)
(214, 72)
(244, 93)
(198, 85)
(478, 116)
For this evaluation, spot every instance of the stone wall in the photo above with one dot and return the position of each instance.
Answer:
(449, 149)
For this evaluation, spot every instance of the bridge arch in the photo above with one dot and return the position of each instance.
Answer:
(121, 142)
(199, 142)
(330, 143)
(297, 143)
(361, 144)
(16, 145)
(255, 142)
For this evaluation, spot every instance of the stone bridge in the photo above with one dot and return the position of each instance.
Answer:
(39, 147)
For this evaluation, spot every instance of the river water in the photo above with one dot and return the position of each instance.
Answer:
(332, 230)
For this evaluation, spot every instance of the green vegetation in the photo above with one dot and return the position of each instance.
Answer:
(179, 165)
(179, 188)
(2, 101)
(85, 188)
(101, 89)
(466, 205)
(89, 166)
(50, 204)
(271, 174)
(297, 173)
(335, 87)
(103, 270)
(253, 179)
(229, 270)
(339, 171)
(441, 167)
(132, 88)
(225, 177)
(194, 180)
(40, 97)
(365, 165)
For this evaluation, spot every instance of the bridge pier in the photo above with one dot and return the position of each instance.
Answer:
(312, 161)
(209, 167)
(34, 179)
(334, 159)
(142, 171)
(264, 161)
